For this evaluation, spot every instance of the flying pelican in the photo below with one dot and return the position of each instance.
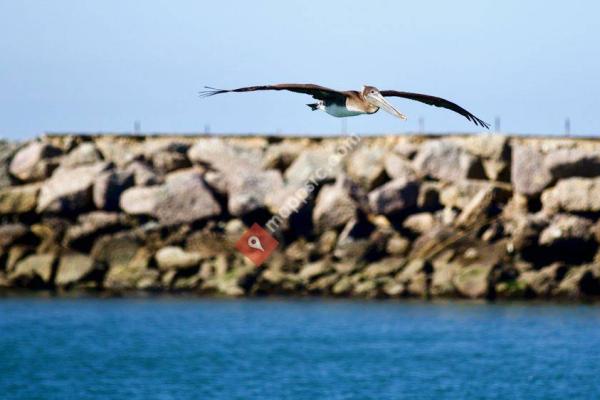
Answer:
(352, 102)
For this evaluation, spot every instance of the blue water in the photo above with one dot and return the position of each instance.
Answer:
(173, 348)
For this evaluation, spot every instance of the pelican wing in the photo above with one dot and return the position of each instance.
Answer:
(438, 102)
(316, 91)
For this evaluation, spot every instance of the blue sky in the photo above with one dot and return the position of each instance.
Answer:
(100, 65)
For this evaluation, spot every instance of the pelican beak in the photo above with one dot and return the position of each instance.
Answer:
(380, 101)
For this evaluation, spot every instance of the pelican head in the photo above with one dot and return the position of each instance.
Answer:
(372, 95)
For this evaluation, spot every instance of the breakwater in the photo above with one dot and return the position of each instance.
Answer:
(473, 216)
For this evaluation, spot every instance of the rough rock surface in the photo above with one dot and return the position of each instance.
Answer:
(376, 217)
(69, 189)
(33, 162)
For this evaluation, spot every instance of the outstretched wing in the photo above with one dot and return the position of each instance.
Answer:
(316, 91)
(438, 102)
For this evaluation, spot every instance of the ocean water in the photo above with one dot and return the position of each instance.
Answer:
(182, 348)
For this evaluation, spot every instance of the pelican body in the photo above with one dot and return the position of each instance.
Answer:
(352, 102)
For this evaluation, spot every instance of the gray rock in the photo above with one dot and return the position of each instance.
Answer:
(564, 163)
(334, 207)
(69, 190)
(85, 153)
(317, 164)
(314, 270)
(473, 281)
(544, 281)
(143, 175)
(399, 167)
(108, 188)
(354, 241)
(281, 155)
(460, 194)
(168, 161)
(119, 151)
(173, 257)
(7, 150)
(92, 224)
(579, 282)
(142, 200)
(476, 210)
(248, 191)
(447, 161)
(33, 271)
(394, 196)
(365, 166)
(564, 226)
(11, 233)
(490, 146)
(573, 195)
(221, 154)
(528, 173)
(34, 161)
(186, 199)
(420, 222)
(73, 268)
(19, 199)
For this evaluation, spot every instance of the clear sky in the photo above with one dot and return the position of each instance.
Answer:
(100, 65)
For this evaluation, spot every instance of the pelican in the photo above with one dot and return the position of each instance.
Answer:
(352, 102)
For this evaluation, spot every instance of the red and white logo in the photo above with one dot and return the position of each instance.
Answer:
(257, 244)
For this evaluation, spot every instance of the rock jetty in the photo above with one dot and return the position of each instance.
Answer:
(460, 216)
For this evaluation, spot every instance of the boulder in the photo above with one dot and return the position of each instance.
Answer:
(447, 161)
(420, 222)
(33, 271)
(528, 173)
(108, 188)
(396, 195)
(168, 161)
(11, 233)
(173, 257)
(571, 162)
(365, 166)
(573, 195)
(92, 224)
(34, 162)
(580, 282)
(397, 245)
(6, 152)
(69, 190)
(141, 200)
(282, 154)
(334, 206)
(460, 194)
(119, 151)
(354, 240)
(73, 268)
(314, 270)
(489, 146)
(19, 199)
(85, 153)
(221, 154)
(128, 262)
(476, 210)
(314, 164)
(443, 276)
(248, 191)
(398, 167)
(143, 174)
(473, 281)
(186, 199)
(386, 267)
(544, 281)
(564, 227)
